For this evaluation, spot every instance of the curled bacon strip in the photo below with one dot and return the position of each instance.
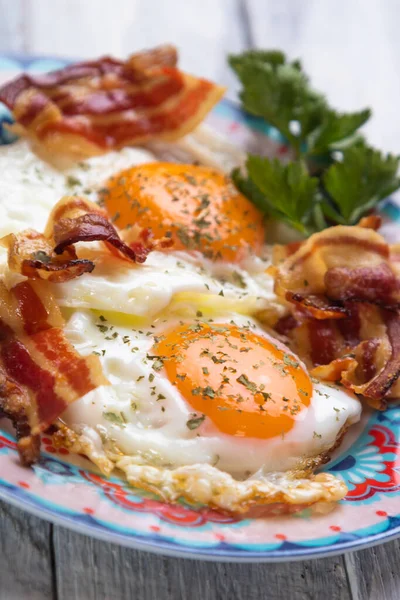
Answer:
(40, 371)
(304, 270)
(75, 219)
(316, 305)
(52, 257)
(378, 285)
(370, 222)
(90, 107)
(343, 292)
(32, 255)
(375, 383)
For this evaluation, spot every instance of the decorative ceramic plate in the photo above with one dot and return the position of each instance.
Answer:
(73, 495)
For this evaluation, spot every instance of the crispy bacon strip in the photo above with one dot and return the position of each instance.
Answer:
(75, 219)
(91, 107)
(378, 285)
(32, 255)
(163, 56)
(316, 305)
(52, 257)
(377, 382)
(40, 371)
(15, 404)
(304, 270)
(343, 292)
(371, 222)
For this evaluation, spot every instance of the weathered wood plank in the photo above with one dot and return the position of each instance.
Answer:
(25, 556)
(87, 570)
(374, 573)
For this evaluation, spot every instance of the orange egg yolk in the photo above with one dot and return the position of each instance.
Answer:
(199, 207)
(241, 381)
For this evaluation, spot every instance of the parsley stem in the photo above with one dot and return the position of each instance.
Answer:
(318, 217)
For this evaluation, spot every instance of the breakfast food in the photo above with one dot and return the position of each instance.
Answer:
(146, 324)
(342, 286)
(92, 107)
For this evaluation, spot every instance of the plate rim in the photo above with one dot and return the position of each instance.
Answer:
(165, 547)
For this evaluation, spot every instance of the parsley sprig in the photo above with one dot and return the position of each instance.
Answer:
(334, 176)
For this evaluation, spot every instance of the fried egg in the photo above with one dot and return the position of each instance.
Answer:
(198, 206)
(145, 289)
(202, 403)
(210, 266)
(218, 238)
(30, 187)
(217, 392)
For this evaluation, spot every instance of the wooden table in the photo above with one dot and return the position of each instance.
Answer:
(352, 51)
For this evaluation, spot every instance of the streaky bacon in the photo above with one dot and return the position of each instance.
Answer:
(370, 222)
(91, 107)
(304, 270)
(52, 256)
(162, 56)
(76, 219)
(285, 324)
(350, 327)
(40, 371)
(376, 383)
(342, 289)
(378, 285)
(316, 305)
(333, 371)
(324, 342)
(31, 254)
(15, 403)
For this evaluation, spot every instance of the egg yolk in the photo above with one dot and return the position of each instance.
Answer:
(241, 381)
(199, 207)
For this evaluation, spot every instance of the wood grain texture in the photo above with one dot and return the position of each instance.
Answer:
(103, 571)
(25, 556)
(374, 574)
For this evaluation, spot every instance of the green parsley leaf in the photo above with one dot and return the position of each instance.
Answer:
(72, 181)
(250, 385)
(289, 191)
(238, 279)
(116, 418)
(336, 131)
(195, 421)
(158, 364)
(333, 177)
(357, 183)
(279, 91)
(208, 391)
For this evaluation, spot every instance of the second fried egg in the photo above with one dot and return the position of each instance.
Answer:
(220, 392)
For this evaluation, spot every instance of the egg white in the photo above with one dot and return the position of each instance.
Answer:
(144, 415)
(139, 421)
(148, 288)
(30, 187)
